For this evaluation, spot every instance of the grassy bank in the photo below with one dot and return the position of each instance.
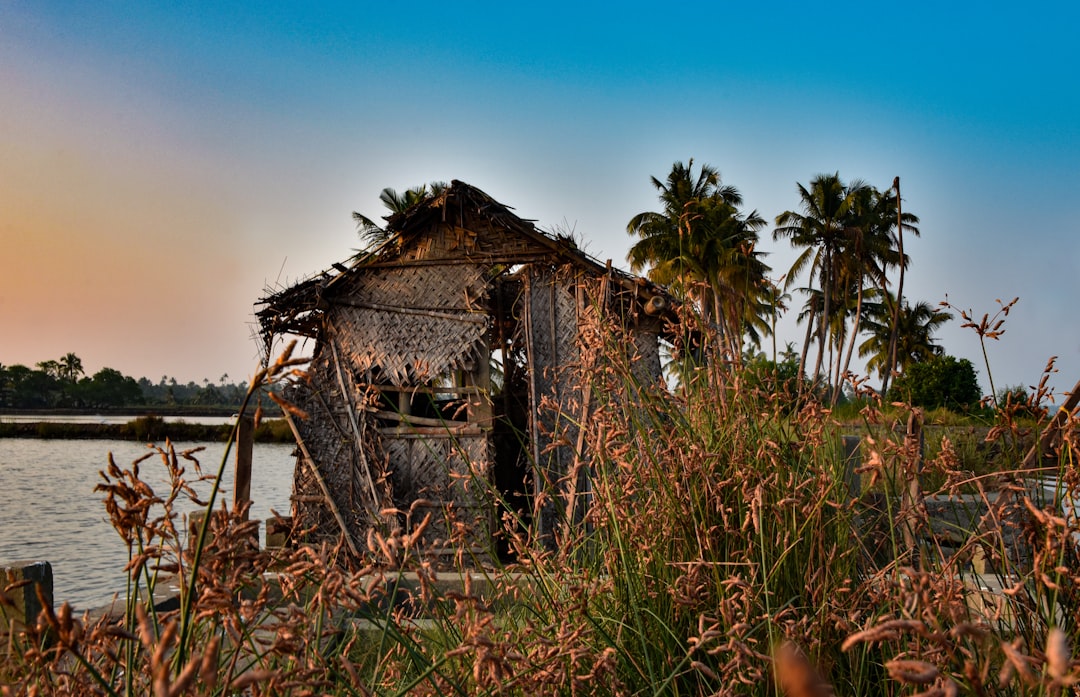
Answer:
(721, 550)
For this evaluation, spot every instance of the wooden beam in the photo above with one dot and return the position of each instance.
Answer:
(1064, 413)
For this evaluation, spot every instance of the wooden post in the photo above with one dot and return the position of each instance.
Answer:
(22, 605)
(245, 442)
(911, 496)
(852, 461)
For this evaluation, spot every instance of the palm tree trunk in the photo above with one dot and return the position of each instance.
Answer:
(838, 346)
(854, 331)
(894, 337)
(823, 325)
(805, 349)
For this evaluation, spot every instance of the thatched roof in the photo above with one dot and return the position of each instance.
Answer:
(464, 208)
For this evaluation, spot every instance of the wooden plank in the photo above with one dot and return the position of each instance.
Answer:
(1063, 414)
(523, 258)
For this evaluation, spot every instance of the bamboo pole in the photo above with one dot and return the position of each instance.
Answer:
(418, 420)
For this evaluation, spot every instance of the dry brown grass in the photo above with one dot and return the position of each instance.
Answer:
(721, 553)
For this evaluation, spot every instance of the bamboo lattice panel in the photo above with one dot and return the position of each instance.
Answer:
(460, 287)
(406, 349)
(452, 475)
(439, 328)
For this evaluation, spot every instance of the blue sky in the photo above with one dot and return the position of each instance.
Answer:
(161, 164)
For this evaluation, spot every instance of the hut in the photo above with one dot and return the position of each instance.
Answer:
(443, 388)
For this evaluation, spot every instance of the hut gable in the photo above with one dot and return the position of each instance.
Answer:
(408, 429)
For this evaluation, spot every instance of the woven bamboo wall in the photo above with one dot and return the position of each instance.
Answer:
(458, 287)
(449, 477)
(412, 324)
(550, 316)
(646, 366)
(353, 485)
(399, 326)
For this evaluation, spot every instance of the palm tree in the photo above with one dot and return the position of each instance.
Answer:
(71, 367)
(914, 334)
(870, 252)
(702, 246)
(903, 222)
(375, 235)
(822, 230)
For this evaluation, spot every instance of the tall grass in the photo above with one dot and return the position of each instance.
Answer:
(723, 550)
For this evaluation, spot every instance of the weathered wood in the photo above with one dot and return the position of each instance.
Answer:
(503, 258)
(21, 604)
(278, 530)
(432, 432)
(423, 389)
(656, 306)
(419, 420)
(245, 443)
(911, 497)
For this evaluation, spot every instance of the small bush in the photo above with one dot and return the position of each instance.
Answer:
(149, 428)
(274, 431)
(941, 381)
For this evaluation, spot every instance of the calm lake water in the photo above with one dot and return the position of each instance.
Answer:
(115, 419)
(50, 512)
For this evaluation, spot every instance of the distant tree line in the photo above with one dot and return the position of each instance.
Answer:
(63, 384)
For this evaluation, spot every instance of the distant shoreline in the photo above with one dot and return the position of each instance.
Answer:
(132, 411)
(149, 428)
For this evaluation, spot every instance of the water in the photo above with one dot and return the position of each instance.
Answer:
(50, 512)
(114, 419)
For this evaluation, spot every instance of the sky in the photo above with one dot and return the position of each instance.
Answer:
(162, 165)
